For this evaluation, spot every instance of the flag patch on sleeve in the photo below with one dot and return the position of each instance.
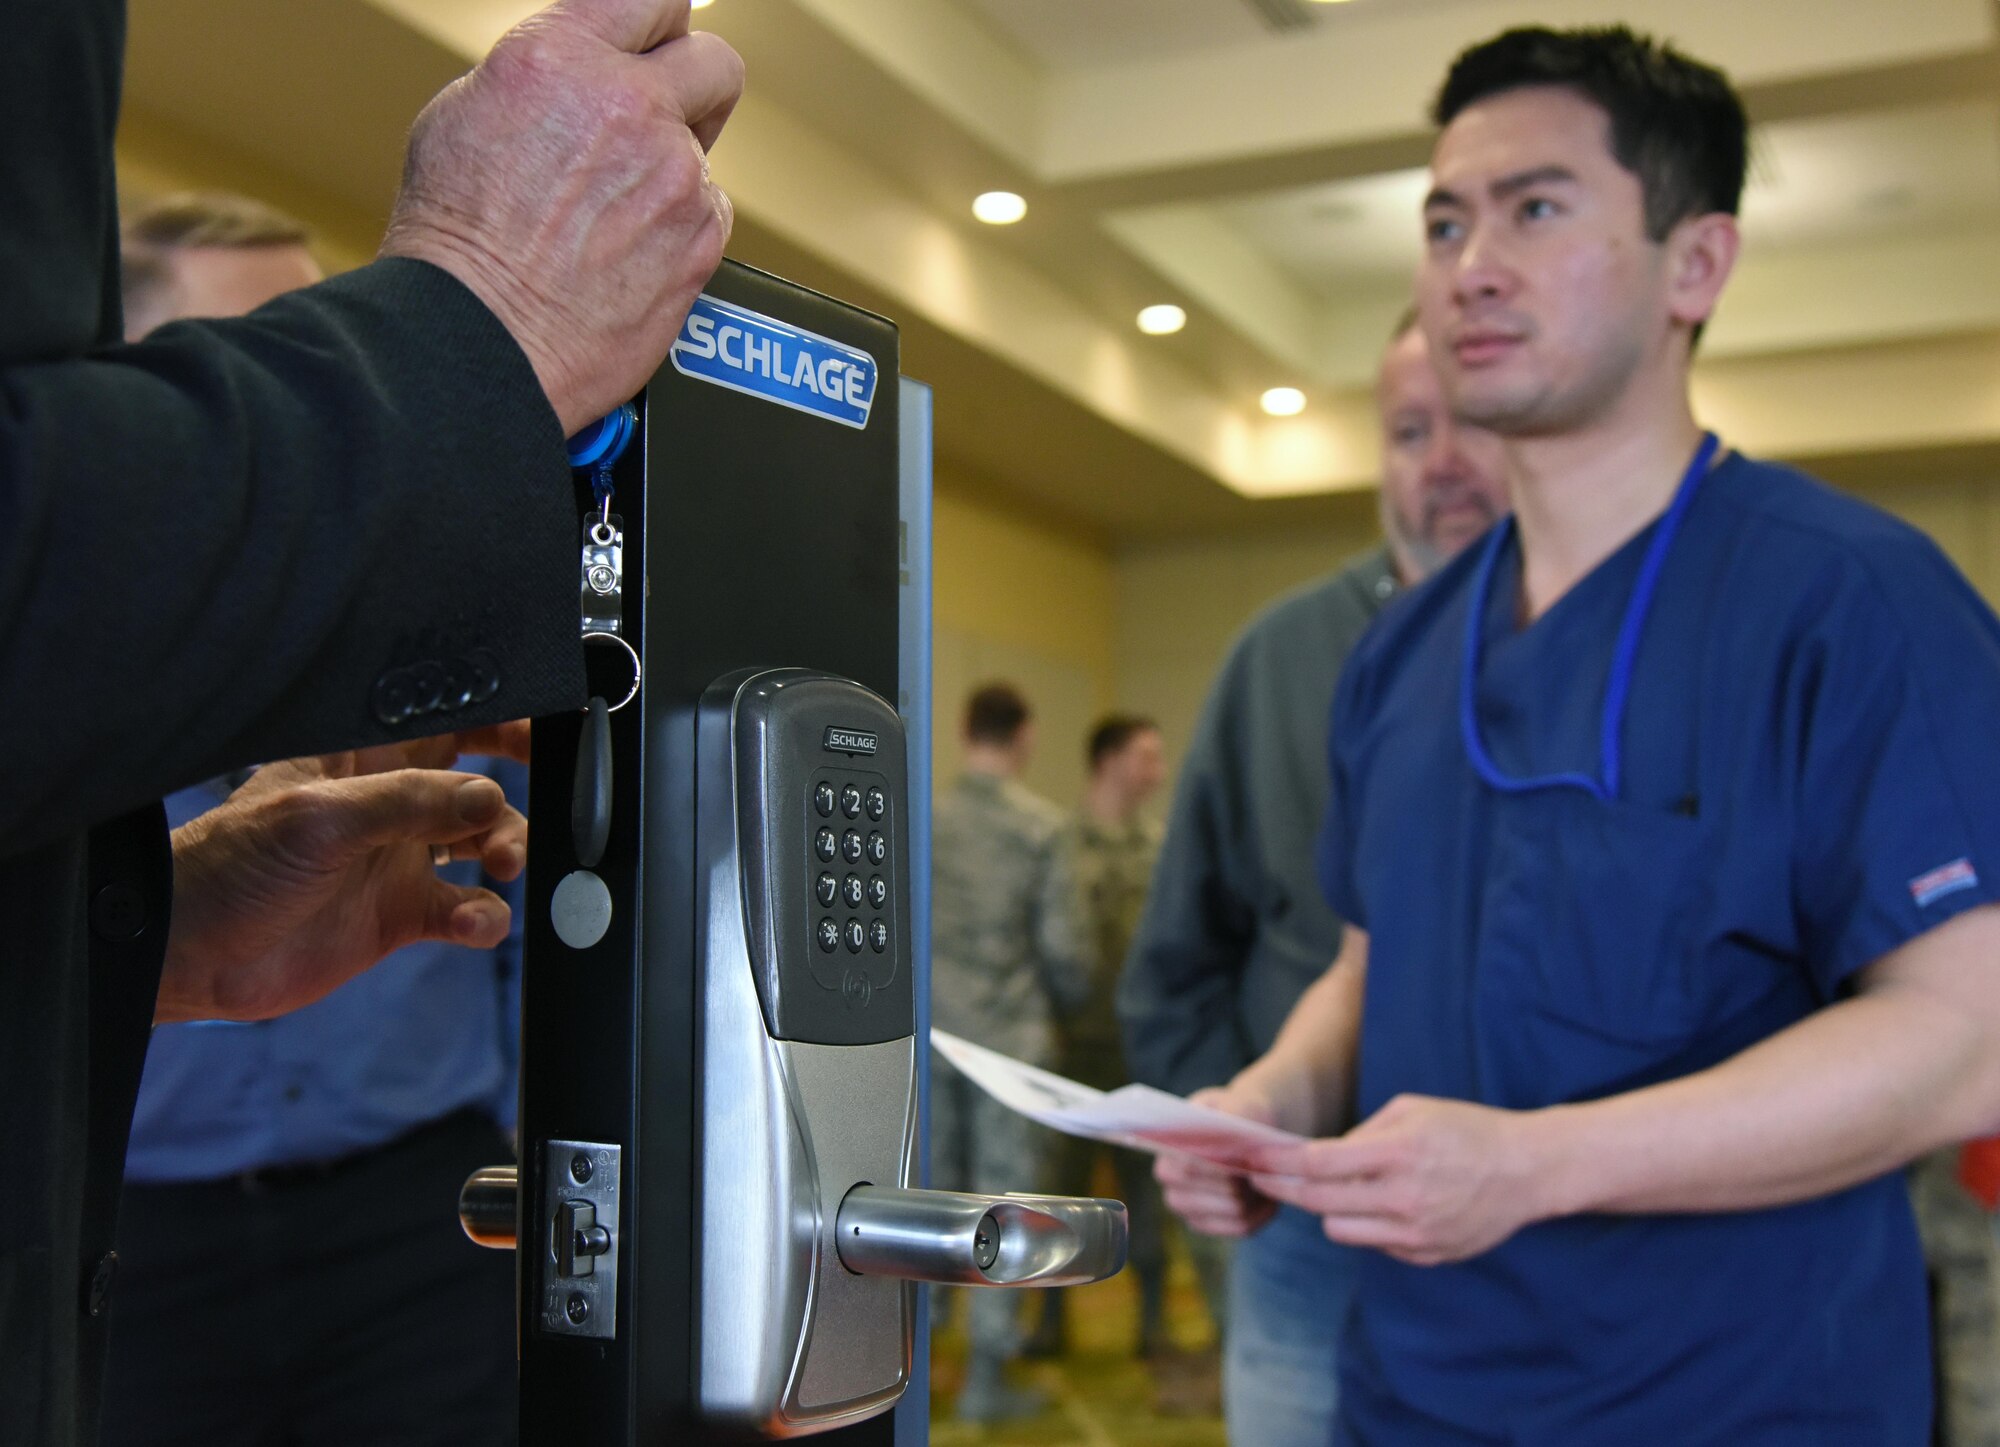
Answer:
(1945, 879)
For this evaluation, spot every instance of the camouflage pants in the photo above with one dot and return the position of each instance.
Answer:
(977, 1144)
(1963, 1258)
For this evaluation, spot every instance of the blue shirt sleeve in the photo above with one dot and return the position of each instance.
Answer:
(1898, 735)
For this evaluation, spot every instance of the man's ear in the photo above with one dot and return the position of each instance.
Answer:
(1701, 254)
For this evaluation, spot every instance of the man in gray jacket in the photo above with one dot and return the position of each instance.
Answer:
(1235, 928)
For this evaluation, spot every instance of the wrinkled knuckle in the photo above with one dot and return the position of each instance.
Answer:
(302, 824)
(526, 58)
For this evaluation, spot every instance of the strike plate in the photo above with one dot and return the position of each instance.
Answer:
(579, 1295)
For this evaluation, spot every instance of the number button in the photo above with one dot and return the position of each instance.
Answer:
(823, 799)
(850, 891)
(878, 936)
(856, 936)
(878, 891)
(829, 936)
(850, 800)
(824, 844)
(878, 804)
(850, 846)
(826, 889)
(878, 848)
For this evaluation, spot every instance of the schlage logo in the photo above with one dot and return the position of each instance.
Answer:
(745, 352)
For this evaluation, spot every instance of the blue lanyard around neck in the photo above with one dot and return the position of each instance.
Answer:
(1617, 688)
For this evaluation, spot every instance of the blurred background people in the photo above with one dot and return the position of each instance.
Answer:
(1113, 848)
(1006, 957)
(290, 1270)
(1235, 928)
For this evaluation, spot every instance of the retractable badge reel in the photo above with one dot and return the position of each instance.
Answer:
(582, 904)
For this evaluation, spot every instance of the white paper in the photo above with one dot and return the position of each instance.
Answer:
(1137, 1116)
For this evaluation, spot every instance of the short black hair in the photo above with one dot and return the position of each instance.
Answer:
(995, 713)
(1676, 124)
(1112, 732)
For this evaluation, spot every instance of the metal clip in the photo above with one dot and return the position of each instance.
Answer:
(603, 585)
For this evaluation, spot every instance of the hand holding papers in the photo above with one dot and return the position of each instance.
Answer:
(1133, 1115)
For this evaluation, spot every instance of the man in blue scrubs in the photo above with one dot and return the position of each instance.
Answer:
(1669, 825)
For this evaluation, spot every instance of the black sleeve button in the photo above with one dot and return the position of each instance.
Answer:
(826, 888)
(829, 936)
(856, 936)
(850, 846)
(878, 891)
(878, 936)
(823, 799)
(878, 804)
(850, 800)
(394, 698)
(824, 844)
(878, 848)
(850, 890)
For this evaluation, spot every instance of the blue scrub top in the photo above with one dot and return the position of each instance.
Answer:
(1811, 778)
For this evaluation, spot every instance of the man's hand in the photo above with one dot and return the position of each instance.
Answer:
(565, 182)
(1212, 1200)
(317, 868)
(1425, 1180)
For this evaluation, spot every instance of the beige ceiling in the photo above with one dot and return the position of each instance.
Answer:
(1256, 161)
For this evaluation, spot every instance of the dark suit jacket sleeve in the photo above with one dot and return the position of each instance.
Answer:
(1177, 995)
(214, 542)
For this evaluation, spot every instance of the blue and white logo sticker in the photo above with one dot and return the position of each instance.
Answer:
(746, 352)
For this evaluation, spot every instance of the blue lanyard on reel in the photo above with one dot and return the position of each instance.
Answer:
(1618, 687)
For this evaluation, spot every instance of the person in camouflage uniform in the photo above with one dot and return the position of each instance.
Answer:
(1114, 850)
(1005, 958)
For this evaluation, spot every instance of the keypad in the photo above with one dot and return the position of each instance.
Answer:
(860, 922)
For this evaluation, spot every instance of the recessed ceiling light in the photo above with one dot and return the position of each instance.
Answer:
(999, 208)
(1162, 320)
(1283, 401)
(700, 4)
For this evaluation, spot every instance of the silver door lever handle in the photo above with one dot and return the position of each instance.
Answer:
(967, 1240)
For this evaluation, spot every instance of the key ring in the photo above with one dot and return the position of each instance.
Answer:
(637, 667)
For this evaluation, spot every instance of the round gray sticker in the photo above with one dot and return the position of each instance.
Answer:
(580, 909)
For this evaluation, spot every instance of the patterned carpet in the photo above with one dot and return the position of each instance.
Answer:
(1100, 1394)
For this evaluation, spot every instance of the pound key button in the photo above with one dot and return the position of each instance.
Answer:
(823, 800)
(878, 936)
(856, 935)
(829, 936)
